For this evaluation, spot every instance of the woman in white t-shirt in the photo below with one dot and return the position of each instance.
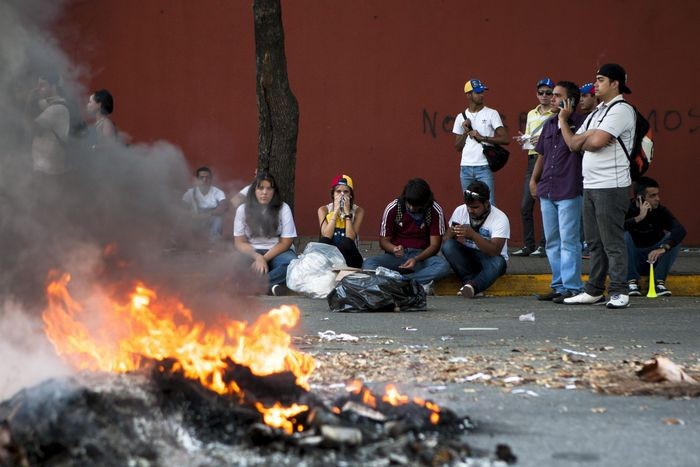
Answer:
(264, 231)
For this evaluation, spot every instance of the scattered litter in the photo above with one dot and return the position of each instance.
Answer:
(512, 379)
(332, 336)
(527, 317)
(668, 343)
(476, 376)
(469, 390)
(525, 391)
(325, 319)
(458, 360)
(576, 352)
(446, 338)
(410, 328)
(673, 421)
(599, 410)
(478, 329)
(570, 386)
(434, 389)
(662, 369)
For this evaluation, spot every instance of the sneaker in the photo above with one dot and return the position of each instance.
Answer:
(548, 297)
(584, 299)
(563, 296)
(633, 288)
(585, 252)
(618, 300)
(539, 252)
(279, 290)
(524, 251)
(467, 291)
(429, 289)
(661, 289)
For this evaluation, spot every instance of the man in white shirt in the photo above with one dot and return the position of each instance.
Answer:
(207, 204)
(477, 124)
(51, 127)
(476, 243)
(606, 182)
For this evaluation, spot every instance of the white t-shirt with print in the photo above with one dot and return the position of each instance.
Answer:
(485, 121)
(609, 167)
(286, 228)
(197, 200)
(495, 226)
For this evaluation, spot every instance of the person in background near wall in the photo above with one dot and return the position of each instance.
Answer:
(653, 235)
(207, 204)
(476, 243)
(476, 125)
(51, 127)
(606, 182)
(264, 231)
(410, 234)
(587, 104)
(100, 106)
(536, 119)
(341, 219)
(557, 182)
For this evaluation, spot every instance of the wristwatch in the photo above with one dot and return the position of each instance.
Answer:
(347, 216)
(665, 246)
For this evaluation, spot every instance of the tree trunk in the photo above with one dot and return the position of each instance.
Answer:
(278, 111)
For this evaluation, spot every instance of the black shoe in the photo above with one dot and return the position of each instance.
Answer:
(562, 296)
(524, 251)
(633, 288)
(539, 252)
(549, 296)
(279, 290)
(661, 289)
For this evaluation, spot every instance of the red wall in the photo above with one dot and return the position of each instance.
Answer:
(367, 73)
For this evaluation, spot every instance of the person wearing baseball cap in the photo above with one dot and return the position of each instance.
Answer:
(588, 101)
(476, 125)
(341, 219)
(606, 183)
(536, 119)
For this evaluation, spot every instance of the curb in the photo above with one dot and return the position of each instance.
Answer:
(516, 285)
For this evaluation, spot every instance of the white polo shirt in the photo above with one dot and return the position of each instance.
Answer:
(485, 121)
(609, 167)
(495, 226)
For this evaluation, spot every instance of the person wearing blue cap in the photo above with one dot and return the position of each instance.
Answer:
(589, 101)
(476, 125)
(536, 119)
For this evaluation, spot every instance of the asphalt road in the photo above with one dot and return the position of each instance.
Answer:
(547, 426)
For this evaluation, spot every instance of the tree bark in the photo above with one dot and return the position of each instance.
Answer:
(278, 111)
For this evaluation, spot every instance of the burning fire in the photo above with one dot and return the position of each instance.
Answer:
(392, 396)
(121, 336)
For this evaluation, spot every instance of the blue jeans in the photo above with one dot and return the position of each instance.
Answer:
(429, 269)
(637, 259)
(472, 173)
(562, 229)
(277, 266)
(472, 265)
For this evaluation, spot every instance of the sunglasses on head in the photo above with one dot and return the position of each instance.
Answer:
(472, 196)
(542, 93)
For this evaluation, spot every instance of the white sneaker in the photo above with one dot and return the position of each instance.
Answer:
(467, 291)
(429, 289)
(584, 299)
(618, 300)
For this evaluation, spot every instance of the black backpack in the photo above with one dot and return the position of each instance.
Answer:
(643, 145)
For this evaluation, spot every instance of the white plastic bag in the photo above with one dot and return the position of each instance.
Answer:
(312, 272)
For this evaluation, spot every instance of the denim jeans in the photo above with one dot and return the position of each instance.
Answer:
(604, 212)
(472, 173)
(472, 265)
(429, 269)
(562, 228)
(637, 259)
(527, 207)
(277, 266)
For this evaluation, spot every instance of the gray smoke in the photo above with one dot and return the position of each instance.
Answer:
(123, 196)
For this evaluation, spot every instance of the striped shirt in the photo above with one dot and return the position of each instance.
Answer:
(407, 232)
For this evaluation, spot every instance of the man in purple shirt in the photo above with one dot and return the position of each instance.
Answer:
(558, 183)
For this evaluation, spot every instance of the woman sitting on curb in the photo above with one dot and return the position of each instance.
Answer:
(264, 231)
(341, 220)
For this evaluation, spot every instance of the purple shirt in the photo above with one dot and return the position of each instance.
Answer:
(561, 169)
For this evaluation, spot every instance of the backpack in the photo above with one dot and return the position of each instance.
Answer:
(643, 145)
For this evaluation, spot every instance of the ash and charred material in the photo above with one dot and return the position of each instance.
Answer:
(161, 418)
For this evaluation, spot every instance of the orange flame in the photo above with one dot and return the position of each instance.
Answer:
(282, 417)
(120, 337)
(393, 397)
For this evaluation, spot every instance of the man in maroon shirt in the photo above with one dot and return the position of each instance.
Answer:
(411, 234)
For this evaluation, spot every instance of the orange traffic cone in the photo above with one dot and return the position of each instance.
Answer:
(652, 283)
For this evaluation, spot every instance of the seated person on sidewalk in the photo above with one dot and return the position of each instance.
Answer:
(264, 231)
(410, 234)
(652, 235)
(207, 205)
(476, 243)
(341, 220)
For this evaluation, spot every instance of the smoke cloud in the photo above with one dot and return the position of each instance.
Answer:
(108, 219)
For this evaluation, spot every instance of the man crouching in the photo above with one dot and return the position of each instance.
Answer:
(476, 244)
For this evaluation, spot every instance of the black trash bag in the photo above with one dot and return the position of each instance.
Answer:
(371, 292)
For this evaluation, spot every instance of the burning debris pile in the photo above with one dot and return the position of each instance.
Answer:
(158, 388)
